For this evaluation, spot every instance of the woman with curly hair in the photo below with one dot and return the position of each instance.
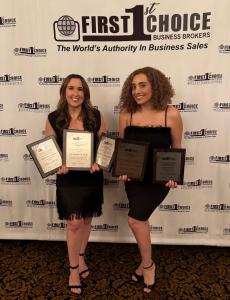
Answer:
(79, 193)
(146, 115)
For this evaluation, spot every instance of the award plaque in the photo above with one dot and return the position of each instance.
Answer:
(77, 149)
(46, 155)
(130, 159)
(168, 164)
(105, 152)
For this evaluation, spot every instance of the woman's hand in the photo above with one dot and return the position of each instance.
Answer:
(171, 184)
(94, 168)
(62, 170)
(124, 178)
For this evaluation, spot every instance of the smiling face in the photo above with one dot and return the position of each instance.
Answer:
(74, 93)
(141, 89)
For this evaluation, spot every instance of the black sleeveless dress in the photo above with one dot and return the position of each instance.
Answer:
(144, 197)
(79, 194)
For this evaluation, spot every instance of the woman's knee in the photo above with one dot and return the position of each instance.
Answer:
(74, 224)
(87, 221)
(134, 223)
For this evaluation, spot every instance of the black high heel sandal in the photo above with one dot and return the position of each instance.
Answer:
(148, 287)
(79, 286)
(84, 271)
(136, 278)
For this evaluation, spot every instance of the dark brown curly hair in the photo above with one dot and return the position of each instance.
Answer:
(87, 115)
(161, 86)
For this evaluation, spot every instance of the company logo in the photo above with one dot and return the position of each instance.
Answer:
(34, 107)
(184, 107)
(111, 181)
(221, 106)
(116, 109)
(51, 80)
(27, 157)
(219, 159)
(134, 24)
(202, 133)
(113, 134)
(205, 78)
(5, 202)
(217, 207)
(7, 22)
(174, 207)
(156, 229)
(19, 224)
(120, 206)
(8, 79)
(224, 48)
(66, 29)
(197, 184)
(194, 229)
(40, 203)
(189, 160)
(105, 227)
(1, 107)
(4, 157)
(30, 51)
(15, 180)
(226, 231)
(56, 226)
(49, 181)
(104, 80)
(13, 132)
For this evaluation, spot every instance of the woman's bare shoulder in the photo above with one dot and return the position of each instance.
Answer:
(124, 114)
(173, 112)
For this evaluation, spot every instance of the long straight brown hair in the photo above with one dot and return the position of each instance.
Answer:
(86, 115)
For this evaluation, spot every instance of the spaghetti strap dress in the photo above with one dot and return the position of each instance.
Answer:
(79, 194)
(144, 197)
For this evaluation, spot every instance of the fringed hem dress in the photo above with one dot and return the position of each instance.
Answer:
(144, 197)
(79, 194)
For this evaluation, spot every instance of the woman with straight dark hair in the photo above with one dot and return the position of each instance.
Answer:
(79, 193)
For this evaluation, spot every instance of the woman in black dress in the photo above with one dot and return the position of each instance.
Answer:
(147, 116)
(79, 193)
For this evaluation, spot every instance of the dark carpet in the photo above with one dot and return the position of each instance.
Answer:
(39, 270)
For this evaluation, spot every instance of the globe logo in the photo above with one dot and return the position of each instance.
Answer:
(66, 25)
(66, 29)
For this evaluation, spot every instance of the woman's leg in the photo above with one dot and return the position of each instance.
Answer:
(74, 240)
(86, 229)
(141, 231)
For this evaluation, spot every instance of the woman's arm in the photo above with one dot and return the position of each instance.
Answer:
(123, 122)
(102, 128)
(49, 129)
(175, 123)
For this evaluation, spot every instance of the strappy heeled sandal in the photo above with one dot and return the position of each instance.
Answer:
(136, 278)
(148, 286)
(84, 271)
(78, 286)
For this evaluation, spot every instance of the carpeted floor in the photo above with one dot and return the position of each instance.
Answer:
(39, 270)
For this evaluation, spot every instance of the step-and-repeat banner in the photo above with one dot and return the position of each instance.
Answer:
(44, 41)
